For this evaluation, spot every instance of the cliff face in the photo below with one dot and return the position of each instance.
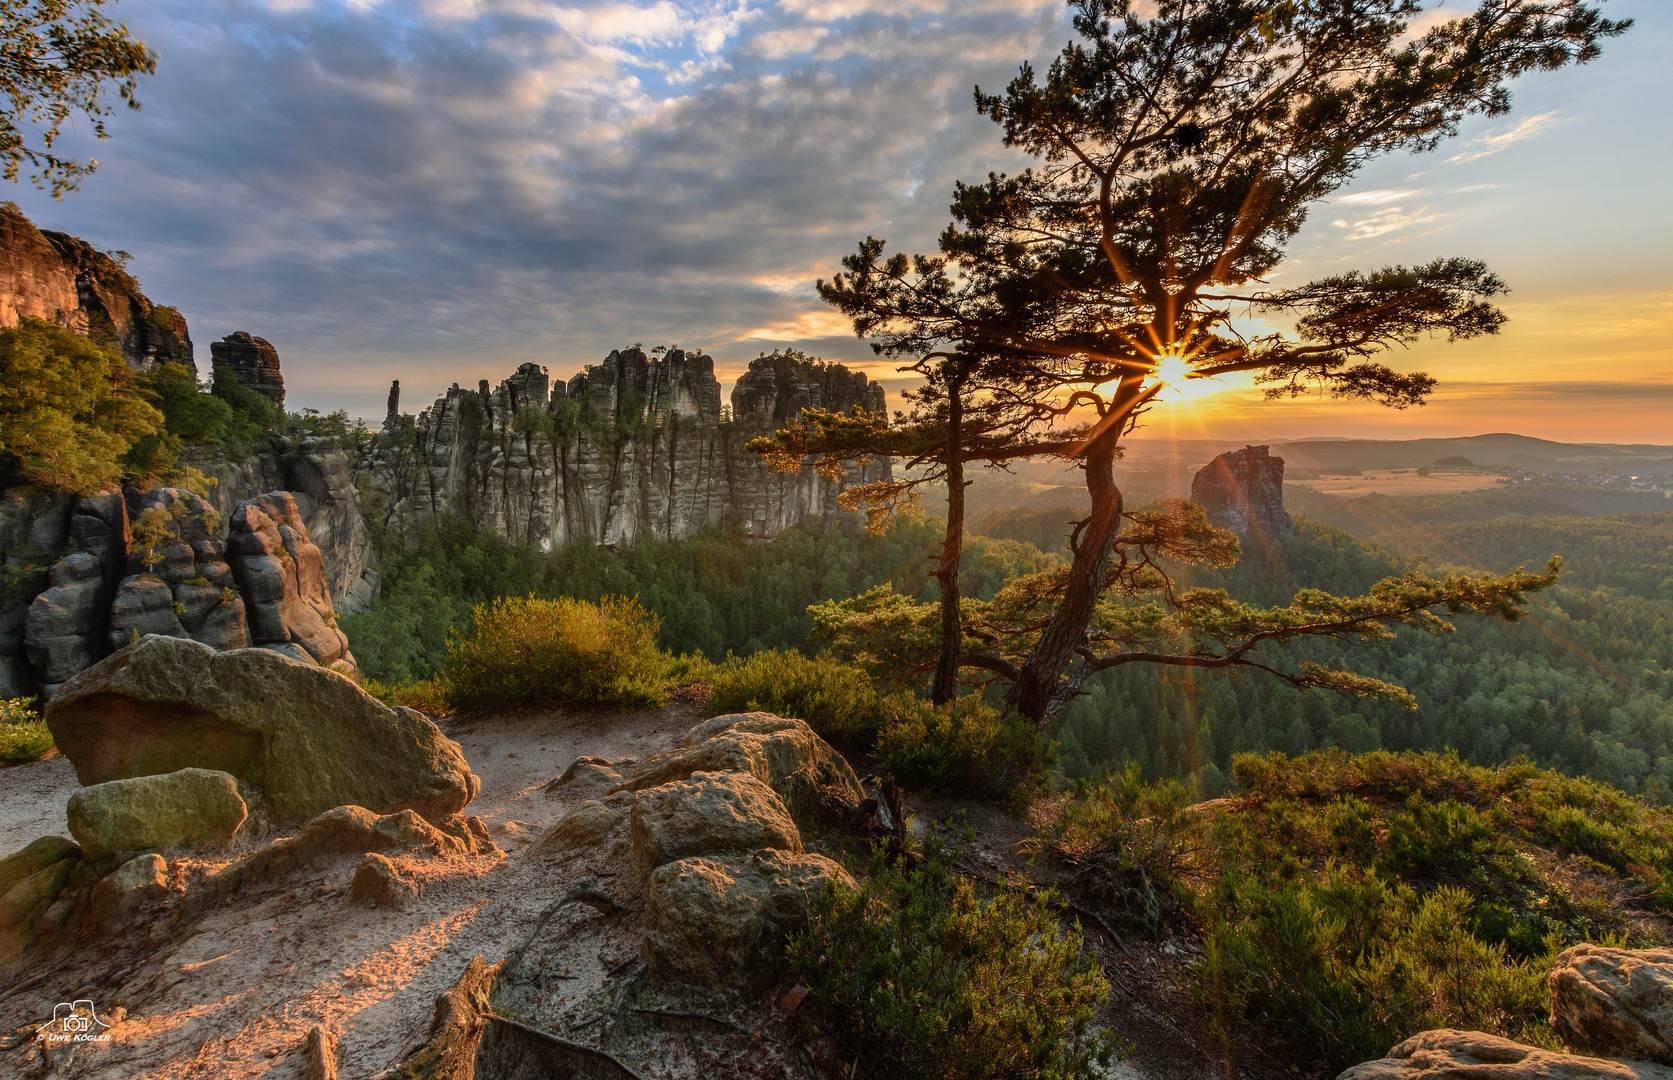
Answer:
(1244, 491)
(635, 447)
(65, 280)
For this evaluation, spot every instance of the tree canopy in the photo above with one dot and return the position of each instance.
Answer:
(59, 58)
(1177, 151)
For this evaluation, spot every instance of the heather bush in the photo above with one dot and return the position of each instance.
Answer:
(965, 747)
(23, 734)
(563, 650)
(837, 700)
(923, 975)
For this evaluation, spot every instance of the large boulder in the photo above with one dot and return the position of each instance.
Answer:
(787, 755)
(721, 922)
(282, 575)
(300, 739)
(1469, 1055)
(710, 812)
(191, 806)
(588, 824)
(1614, 1002)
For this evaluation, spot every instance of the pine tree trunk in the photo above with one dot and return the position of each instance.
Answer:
(945, 688)
(1031, 694)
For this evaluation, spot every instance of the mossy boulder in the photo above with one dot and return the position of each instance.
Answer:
(189, 806)
(299, 738)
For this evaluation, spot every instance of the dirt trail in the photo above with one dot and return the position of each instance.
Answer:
(248, 981)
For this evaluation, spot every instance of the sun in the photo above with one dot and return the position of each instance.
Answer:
(1173, 371)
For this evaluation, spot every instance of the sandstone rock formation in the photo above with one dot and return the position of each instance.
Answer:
(190, 806)
(634, 447)
(378, 880)
(1448, 1053)
(1243, 491)
(66, 281)
(718, 921)
(300, 739)
(1614, 1002)
(138, 882)
(254, 363)
(30, 880)
(787, 755)
(710, 812)
(282, 576)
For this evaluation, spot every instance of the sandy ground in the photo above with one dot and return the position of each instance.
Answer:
(234, 991)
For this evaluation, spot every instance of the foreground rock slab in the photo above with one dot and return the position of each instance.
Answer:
(1614, 1002)
(710, 812)
(719, 922)
(1474, 1055)
(190, 806)
(300, 739)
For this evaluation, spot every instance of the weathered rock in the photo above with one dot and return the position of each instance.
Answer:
(710, 812)
(1243, 491)
(586, 773)
(140, 881)
(815, 782)
(144, 605)
(34, 857)
(63, 624)
(589, 824)
(1472, 1055)
(721, 922)
(27, 900)
(380, 881)
(298, 737)
(455, 1030)
(282, 576)
(65, 280)
(254, 363)
(637, 448)
(1614, 1002)
(189, 806)
(319, 1053)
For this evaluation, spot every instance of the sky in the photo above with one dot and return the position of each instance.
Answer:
(437, 191)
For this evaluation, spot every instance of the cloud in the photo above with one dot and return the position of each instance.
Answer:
(1383, 222)
(1373, 198)
(1493, 141)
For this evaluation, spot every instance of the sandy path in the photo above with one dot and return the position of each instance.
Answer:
(222, 993)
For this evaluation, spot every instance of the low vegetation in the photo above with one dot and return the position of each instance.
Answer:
(925, 976)
(1347, 902)
(23, 734)
(563, 650)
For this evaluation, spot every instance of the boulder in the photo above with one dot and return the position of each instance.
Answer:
(281, 573)
(710, 812)
(300, 739)
(140, 881)
(587, 773)
(27, 900)
(1614, 1002)
(37, 855)
(189, 806)
(588, 824)
(814, 780)
(721, 922)
(378, 880)
(1467, 1055)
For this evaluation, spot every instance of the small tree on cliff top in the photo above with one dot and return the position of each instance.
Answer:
(1177, 156)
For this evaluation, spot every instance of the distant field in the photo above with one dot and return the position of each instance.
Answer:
(1399, 482)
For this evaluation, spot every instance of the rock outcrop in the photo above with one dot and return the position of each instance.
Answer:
(281, 573)
(300, 739)
(710, 812)
(66, 281)
(1451, 1053)
(190, 806)
(254, 363)
(635, 447)
(1614, 1002)
(1243, 491)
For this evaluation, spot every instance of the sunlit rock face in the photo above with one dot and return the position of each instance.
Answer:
(636, 447)
(66, 281)
(1244, 491)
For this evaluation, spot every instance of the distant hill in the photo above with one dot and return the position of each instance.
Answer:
(1502, 449)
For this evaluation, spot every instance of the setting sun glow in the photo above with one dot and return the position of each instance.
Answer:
(1172, 370)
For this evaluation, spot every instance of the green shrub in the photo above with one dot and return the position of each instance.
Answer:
(1348, 902)
(23, 734)
(925, 978)
(836, 699)
(427, 695)
(562, 650)
(965, 747)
